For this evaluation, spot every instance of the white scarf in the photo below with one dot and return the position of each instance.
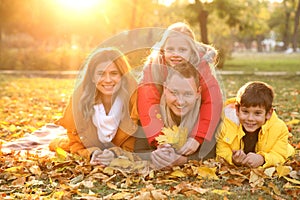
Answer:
(107, 125)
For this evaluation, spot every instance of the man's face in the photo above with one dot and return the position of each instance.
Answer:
(181, 94)
(253, 117)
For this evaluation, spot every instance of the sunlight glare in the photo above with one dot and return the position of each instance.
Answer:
(78, 4)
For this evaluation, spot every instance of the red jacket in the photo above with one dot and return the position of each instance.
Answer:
(210, 109)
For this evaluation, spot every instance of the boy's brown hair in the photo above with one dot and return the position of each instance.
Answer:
(255, 93)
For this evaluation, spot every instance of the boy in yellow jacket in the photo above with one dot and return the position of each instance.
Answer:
(252, 135)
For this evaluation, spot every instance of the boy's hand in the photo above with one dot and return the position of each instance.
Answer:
(238, 157)
(102, 157)
(253, 160)
(189, 147)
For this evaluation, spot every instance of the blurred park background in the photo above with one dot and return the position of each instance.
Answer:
(59, 34)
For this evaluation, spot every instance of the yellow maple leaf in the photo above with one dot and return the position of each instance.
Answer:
(293, 122)
(176, 136)
(178, 174)
(61, 154)
(221, 192)
(121, 195)
(283, 170)
(207, 173)
(121, 162)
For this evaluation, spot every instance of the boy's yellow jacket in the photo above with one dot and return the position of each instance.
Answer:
(272, 141)
(87, 141)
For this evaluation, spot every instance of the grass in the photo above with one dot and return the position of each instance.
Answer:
(251, 62)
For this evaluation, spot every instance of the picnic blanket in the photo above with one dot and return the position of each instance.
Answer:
(35, 142)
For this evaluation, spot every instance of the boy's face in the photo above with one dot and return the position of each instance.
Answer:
(181, 94)
(177, 50)
(253, 117)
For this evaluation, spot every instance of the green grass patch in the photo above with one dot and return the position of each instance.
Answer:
(251, 62)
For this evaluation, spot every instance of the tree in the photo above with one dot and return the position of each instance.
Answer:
(228, 11)
(296, 28)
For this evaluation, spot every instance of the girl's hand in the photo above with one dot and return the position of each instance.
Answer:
(238, 157)
(102, 157)
(253, 160)
(189, 147)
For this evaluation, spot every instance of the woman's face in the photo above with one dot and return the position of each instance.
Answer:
(181, 94)
(106, 77)
(177, 50)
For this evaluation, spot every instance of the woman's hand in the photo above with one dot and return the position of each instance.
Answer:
(102, 157)
(189, 147)
(238, 157)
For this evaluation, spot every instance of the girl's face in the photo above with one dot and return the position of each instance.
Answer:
(252, 118)
(177, 50)
(106, 77)
(181, 94)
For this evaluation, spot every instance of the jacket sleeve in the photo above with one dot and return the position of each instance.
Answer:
(148, 107)
(74, 143)
(211, 104)
(280, 150)
(224, 148)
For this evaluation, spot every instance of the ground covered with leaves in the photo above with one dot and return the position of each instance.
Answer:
(29, 103)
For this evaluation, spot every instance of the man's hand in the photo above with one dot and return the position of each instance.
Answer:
(189, 147)
(253, 160)
(102, 157)
(238, 157)
(165, 156)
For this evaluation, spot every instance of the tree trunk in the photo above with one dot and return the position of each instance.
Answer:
(286, 39)
(296, 30)
(259, 39)
(203, 15)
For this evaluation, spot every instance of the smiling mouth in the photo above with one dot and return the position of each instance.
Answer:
(176, 60)
(108, 86)
(180, 107)
(250, 125)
